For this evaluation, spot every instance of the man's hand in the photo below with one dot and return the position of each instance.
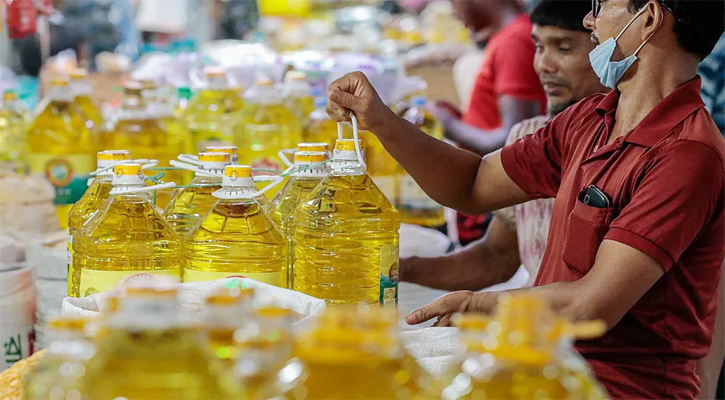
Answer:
(354, 92)
(445, 306)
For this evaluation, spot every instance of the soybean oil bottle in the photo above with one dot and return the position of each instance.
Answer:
(139, 130)
(61, 148)
(346, 238)
(320, 127)
(224, 312)
(14, 120)
(98, 192)
(524, 352)
(191, 203)
(297, 94)
(58, 374)
(413, 203)
(267, 126)
(81, 89)
(163, 109)
(236, 237)
(150, 352)
(214, 111)
(340, 359)
(127, 240)
(309, 170)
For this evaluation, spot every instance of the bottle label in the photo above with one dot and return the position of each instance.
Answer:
(68, 173)
(272, 278)
(412, 196)
(95, 281)
(389, 264)
(69, 253)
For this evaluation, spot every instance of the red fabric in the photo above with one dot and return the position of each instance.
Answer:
(666, 181)
(507, 69)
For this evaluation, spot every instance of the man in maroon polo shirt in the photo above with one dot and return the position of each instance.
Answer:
(637, 237)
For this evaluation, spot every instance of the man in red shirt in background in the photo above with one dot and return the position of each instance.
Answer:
(506, 91)
(638, 176)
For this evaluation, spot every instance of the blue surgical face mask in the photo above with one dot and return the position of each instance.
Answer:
(611, 72)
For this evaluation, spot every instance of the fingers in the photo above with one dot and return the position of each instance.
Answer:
(337, 112)
(423, 314)
(441, 307)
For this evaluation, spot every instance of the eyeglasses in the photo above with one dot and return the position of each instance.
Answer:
(597, 7)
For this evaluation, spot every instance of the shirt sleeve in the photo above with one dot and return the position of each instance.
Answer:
(514, 73)
(675, 199)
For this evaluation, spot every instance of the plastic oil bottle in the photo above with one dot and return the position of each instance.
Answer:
(382, 167)
(320, 127)
(343, 360)
(414, 205)
(265, 344)
(81, 89)
(520, 355)
(297, 94)
(236, 237)
(214, 111)
(61, 148)
(58, 374)
(127, 240)
(267, 127)
(149, 352)
(190, 204)
(140, 131)
(346, 238)
(14, 120)
(163, 109)
(310, 169)
(225, 311)
(98, 191)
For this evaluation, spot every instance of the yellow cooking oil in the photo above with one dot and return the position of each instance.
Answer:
(309, 170)
(191, 203)
(61, 148)
(236, 238)
(58, 373)
(346, 237)
(137, 129)
(214, 111)
(224, 312)
(523, 352)
(382, 167)
(265, 345)
(14, 120)
(297, 94)
(150, 352)
(81, 89)
(340, 359)
(415, 206)
(98, 192)
(267, 127)
(126, 241)
(320, 127)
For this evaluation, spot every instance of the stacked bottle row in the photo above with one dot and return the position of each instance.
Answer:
(146, 344)
(330, 232)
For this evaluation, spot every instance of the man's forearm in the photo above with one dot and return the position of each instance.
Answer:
(708, 368)
(488, 261)
(477, 140)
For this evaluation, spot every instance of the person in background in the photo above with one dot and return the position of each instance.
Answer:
(517, 235)
(506, 91)
(712, 71)
(637, 232)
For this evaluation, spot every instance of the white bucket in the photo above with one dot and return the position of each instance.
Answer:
(17, 313)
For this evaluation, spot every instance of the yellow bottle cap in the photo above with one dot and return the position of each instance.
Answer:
(214, 157)
(231, 150)
(347, 145)
(310, 156)
(58, 81)
(149, 290)
(214, 71)
(68, 323)
(226, 296)
(114, 155)
(313, 147)
(10, 95)
(238, 171)
(263, 81)
(127, 169)
(275, 312)
(79, 73)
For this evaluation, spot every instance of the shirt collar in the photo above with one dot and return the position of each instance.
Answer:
(672, 110)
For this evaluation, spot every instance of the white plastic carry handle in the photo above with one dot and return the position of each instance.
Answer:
(355, 136)
(145, 164)
(274, 179)
(142, 189)
(283, 156)
(195, 168)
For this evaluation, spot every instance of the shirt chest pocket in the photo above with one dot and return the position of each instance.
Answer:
(585, 231)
